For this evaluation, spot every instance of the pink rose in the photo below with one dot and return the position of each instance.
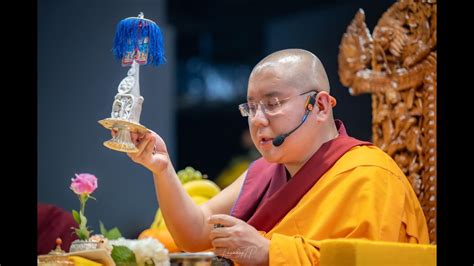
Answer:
(84, 184)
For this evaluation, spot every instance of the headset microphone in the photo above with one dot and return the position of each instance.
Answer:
(309, 107)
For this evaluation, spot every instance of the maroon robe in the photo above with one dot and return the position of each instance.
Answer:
(54, 222)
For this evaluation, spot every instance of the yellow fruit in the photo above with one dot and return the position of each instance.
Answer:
(199, 200)
(163, 236)
(157, 220)
(231, 173)
(80, 261)
(204, 188)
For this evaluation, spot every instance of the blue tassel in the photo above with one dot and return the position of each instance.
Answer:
(127, 36)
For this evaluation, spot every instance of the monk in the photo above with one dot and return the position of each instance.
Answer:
(313, 181)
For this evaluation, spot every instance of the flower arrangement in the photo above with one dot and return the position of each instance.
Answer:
(147, 251)
(123, 251)
(83, 186)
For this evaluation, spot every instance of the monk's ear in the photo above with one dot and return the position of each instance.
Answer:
(323, 101)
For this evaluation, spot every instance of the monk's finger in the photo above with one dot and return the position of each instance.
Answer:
(150, 148)
(219, 232)
(141, 147)
(222, 220)
(137, 137)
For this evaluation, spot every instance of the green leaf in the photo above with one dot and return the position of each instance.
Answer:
(122, 254)
(76, 216)
(81, 234)
(113, 234)
(83, 219)
(103, 231)
(86, 235)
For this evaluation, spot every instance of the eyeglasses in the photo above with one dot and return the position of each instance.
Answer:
(270, 107)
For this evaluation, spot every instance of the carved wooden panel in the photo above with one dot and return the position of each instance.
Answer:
(397, 65)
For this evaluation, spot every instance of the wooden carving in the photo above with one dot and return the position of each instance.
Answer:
(397, 65)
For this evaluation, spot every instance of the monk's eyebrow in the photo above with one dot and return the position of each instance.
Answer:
(267, 95)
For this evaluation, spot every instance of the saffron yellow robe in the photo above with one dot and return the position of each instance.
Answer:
(364, 195)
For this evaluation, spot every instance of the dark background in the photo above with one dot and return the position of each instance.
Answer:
(233, 36)
(211, 47)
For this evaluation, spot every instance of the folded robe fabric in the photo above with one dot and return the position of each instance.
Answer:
(54, 222)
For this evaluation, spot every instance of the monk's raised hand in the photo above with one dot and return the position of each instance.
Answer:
(152, 152)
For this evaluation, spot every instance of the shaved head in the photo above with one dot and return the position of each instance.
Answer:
(285, 75)
(301, 68)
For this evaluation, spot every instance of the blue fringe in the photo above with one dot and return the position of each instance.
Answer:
(127, 30)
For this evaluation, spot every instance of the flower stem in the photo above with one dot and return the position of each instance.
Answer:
(83, 199)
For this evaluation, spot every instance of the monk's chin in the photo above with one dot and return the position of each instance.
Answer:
(271, 158)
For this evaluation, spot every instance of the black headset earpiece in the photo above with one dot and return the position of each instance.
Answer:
(278, 140)
(310, 103)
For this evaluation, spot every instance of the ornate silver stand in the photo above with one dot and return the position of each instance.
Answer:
(125, 116)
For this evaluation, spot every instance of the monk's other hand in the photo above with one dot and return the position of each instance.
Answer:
(234, 239)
